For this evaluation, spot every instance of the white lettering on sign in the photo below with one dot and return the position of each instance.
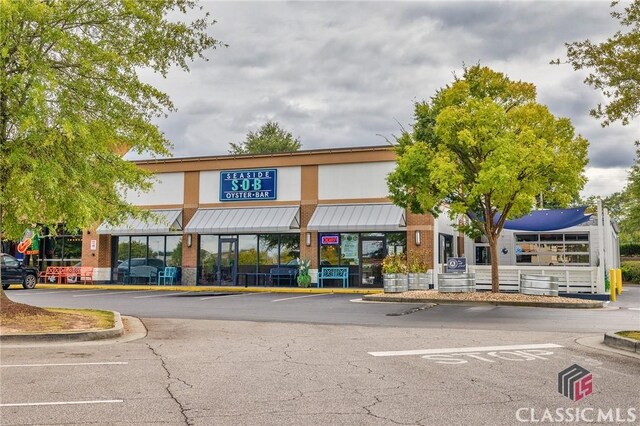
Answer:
(461, 358)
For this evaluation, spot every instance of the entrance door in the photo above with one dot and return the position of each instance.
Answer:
(227, 261)
(372, 255)
(446, 248)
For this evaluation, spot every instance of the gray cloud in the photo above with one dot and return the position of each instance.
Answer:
(341, 73)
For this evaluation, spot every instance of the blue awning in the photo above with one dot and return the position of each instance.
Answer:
(548, 220)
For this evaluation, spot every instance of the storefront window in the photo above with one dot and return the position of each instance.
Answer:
(552, 249)
(139, 259)
(157, 248)
(173, 250)
(349, 249)
(208, 267)
(269, 244)
(247, 253)
(61, 250)
(397, 242)
(289, 248)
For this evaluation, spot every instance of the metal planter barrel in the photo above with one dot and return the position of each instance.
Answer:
(419, 281)
(456, 283)
(395, 283)
(539, 285)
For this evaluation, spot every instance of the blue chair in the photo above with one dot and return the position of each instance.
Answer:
(167, 276)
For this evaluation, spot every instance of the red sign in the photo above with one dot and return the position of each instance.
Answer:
(330, 240)
(23, 246)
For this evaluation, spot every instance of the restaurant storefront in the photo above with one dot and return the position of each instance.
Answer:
(250, 220)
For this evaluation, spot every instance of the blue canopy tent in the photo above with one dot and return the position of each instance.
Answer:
(548, 220)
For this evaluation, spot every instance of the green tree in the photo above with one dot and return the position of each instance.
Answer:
(71, 101)
(614, 66)
(486, 148)
(268, 139)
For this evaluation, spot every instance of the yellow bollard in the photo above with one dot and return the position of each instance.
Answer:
(619, 280)
(612, 284)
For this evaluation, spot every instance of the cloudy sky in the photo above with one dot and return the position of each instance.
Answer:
(341, 74)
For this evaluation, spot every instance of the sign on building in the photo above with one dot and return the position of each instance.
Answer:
(248, 185)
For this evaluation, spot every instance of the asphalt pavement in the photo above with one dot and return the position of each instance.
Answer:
(278, 359)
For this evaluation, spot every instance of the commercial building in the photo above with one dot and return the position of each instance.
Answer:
(242, 220)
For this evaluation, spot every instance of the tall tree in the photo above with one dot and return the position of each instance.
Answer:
(614, 66)
(71, 101)
(614, 69)
(486, 148)
(268, 139)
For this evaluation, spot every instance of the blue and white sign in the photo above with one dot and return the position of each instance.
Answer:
(456, 264)
(248, 185)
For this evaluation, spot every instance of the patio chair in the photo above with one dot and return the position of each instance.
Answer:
(167, 276)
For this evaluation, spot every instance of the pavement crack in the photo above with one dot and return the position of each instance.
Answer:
(170, 378)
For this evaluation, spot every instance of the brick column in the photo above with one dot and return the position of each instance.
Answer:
(424, 224)
(191, 204)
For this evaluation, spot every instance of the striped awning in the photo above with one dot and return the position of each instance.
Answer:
(358, 217)
(244, 220)
(164, 222)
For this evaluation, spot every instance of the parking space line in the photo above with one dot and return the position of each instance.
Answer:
(70, 364)
(466, 350)
(224, 297)
(300, 297)
(163, 295)
(32, 404)
(113, 292)
(60, 291)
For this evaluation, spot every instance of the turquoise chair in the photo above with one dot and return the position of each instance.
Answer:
(167, 276)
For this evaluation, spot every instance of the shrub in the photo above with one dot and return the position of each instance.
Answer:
(630, 249)
(631, 272)
(394, 264)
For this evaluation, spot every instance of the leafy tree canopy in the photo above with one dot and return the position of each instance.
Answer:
(614, 66)
(71, 102)
(486, 148)
(268, 139)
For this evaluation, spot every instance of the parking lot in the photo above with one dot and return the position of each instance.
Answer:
(221, 372)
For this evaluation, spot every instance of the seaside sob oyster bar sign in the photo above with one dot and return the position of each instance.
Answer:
(248, 185)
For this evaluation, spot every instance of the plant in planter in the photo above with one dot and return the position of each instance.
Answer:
(418, 277)
(304, 279)
(394, 270)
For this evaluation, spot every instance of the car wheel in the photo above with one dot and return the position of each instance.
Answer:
(29, 281)
(5, 286)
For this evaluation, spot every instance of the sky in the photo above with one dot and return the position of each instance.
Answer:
(346, 74)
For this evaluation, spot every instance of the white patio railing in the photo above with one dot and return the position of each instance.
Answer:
(573, 279)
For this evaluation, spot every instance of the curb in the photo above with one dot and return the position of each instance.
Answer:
(74, 336)
(619, 342)
(217, 289)
(589, 305)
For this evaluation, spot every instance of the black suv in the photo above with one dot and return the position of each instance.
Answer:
(13, 272)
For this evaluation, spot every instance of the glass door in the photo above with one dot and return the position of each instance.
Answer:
(372, 255)
(227, 261)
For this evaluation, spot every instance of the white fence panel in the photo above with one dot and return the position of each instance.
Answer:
(573, 279)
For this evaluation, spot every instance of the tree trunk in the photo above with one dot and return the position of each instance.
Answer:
(493, 251)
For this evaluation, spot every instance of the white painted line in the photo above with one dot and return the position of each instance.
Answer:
(114, 292)
(64, 364)
(32, 404)
(300, 297)
(224, 297)
(634, 309)
(162, 295)
(60, 291)
(466, 350)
